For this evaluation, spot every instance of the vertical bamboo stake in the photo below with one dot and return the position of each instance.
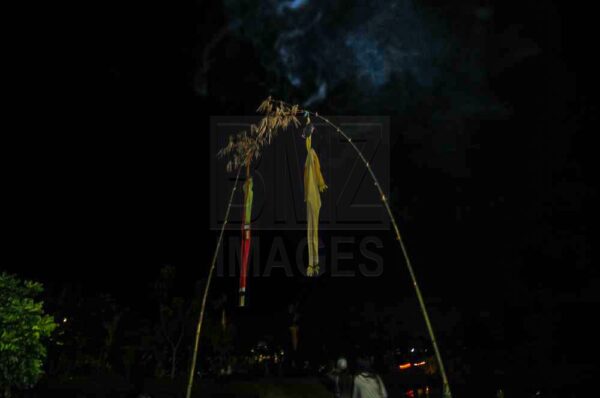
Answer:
(446, 385)
(207, 287)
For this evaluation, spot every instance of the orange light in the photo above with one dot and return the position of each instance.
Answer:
(404, 366)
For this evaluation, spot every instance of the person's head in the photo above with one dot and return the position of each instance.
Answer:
(363, 365)
(342, 364)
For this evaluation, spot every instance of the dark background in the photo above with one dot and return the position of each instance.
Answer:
(106, 163)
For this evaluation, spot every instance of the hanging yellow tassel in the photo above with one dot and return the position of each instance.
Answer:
(313, 185)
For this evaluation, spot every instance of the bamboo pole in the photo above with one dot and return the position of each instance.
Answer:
(207, 287)
(446, 386)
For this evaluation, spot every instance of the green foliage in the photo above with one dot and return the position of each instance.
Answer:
(23, 326)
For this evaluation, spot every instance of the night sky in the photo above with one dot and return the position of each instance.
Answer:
(106, 167)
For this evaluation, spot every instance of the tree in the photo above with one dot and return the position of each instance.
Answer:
(110, 313)
(174, 315)
(23, 326)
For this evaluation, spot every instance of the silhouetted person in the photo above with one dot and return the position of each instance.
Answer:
(343, 380)
(367, 384)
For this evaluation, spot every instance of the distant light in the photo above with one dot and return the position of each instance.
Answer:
(65, 320)
(405, 366)
(419, 363)
(412, 350)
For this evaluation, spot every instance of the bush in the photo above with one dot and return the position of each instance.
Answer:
(23, 326)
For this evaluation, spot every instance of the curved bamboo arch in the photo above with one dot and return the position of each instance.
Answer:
(446, 386)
